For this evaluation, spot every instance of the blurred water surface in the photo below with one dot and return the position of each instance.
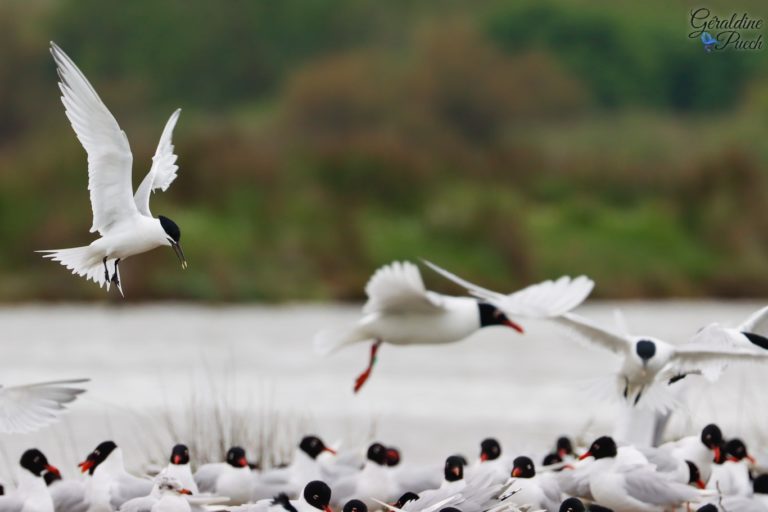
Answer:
(147, 362)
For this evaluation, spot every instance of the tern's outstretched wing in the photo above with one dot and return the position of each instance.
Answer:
(109, 155)
(709, 360)
(32, 406)
(545, 299)
(587, 331)
(163, 170)
(398, 287)
(757, 322)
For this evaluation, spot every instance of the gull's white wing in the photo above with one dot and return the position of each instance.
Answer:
(109, 155)
(710, 360)
(68, 496)
(163, 170)
(653, 488)
(11, 504)
(398, 288)
(541, 300)
(207, 475)
(757, 322)
(587, 331)
(32, 406)
(142, 504)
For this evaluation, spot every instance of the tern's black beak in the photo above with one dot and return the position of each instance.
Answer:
(179, 253)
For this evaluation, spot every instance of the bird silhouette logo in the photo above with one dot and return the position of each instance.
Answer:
(709, 41)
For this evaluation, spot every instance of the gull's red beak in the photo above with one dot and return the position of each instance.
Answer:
(516, 472)
(330, 450)
(585, 455)
(86, 465)
(185, 491)
(700, 484)
(561, 453)
(53, 469)
(483, 457)
(509, 323)
(327, 509)
(716, 449)
(176, 459)
(242, 462)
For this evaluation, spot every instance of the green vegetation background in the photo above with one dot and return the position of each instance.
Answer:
(509, 141)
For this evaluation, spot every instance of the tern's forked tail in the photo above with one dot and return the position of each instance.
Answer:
(81, 261)
(330, 340)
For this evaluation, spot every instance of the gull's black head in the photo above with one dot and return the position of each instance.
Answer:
(572, 505)
(601, 448)
(313, 446)
(694, 475)
(709, 507)
(97, 456)
(645, 349)
(760, 485)
(491, 315)
(393, 456)
(318, 495)
(551, 458)
(522, 467)
(462, 458)
(564, 446)
(711, 436)
(377, 453)
(51, 477)
(173, 233)
(405, 498)
(490, 449)
(35, 462)
(454, 469)
(355, 506)
(737, 450)
(236, 457)
(180, 454)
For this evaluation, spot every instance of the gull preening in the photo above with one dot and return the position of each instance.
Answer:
(32, 406)
(401, 311)
(122, 218)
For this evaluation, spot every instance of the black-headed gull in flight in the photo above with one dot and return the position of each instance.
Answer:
(401, 311)
(650, 364)
(32, 406)
(122, 218)
(31, 494)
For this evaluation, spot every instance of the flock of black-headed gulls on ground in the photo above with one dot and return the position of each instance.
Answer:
(705, 470)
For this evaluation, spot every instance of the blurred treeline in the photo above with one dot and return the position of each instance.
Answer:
(509, 141)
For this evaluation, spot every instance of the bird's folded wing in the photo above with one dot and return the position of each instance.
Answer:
(11, 504)
(757, 322)
(648, 487)
(68, 496)
(32, 406)
(710, 360)
(586, 330)
(207, 475)
(398, 288)
(109, 155)
(163, 170)
(142, 504)
(545, 299)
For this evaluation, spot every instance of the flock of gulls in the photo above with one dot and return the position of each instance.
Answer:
(705, 471)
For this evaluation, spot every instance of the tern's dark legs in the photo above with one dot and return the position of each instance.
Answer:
(106, 270)
(115, 278)
(363, 377)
